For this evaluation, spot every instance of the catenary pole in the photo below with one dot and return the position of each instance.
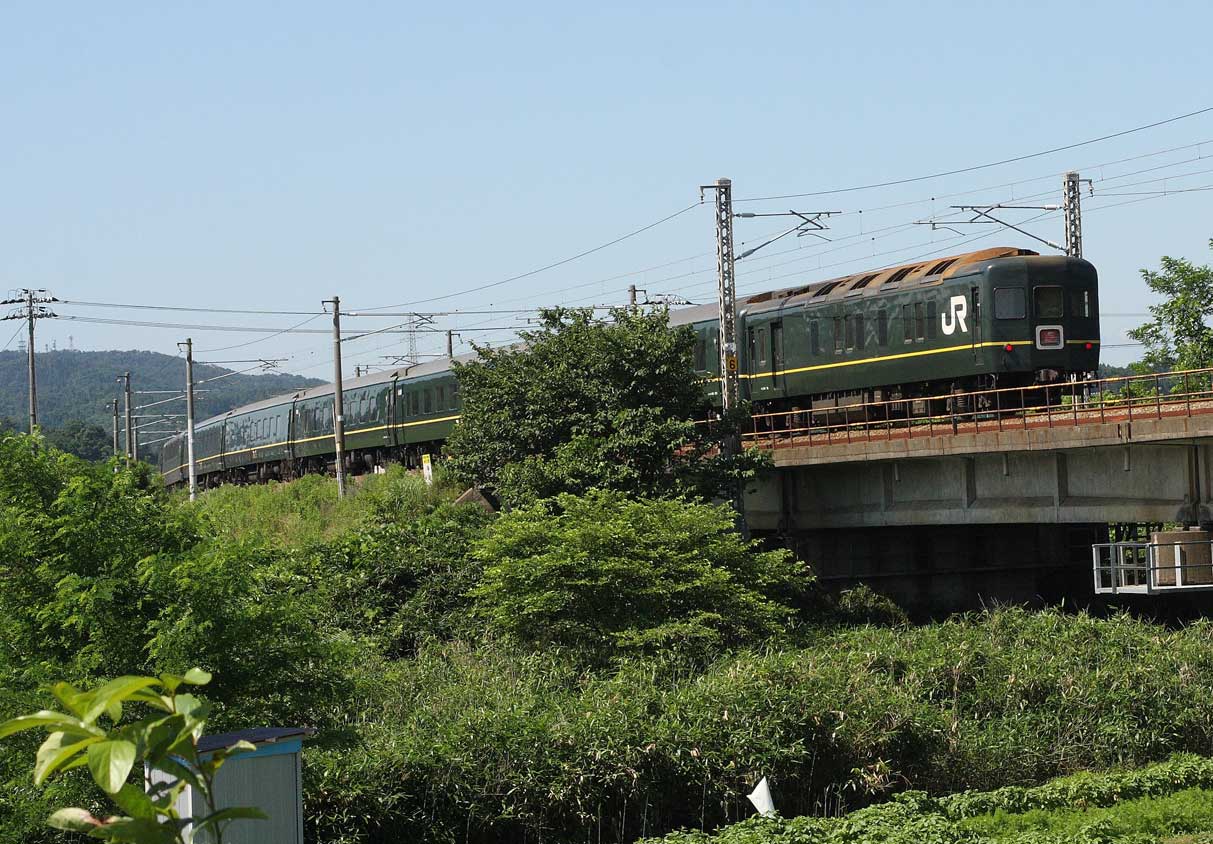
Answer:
(130, 424)
(726, 293)
(1073, 212)
(189, 417)
(338, 398)
(727, 298)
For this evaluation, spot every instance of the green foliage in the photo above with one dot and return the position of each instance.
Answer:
(1153, 804)
(307, 511)
(75, 385)
(509, 744)
(72, 535)
(166, 741)
(602, 575)
(1179, 335)
(90, 442)
(407, 580)
(862, 605)
(583, 404)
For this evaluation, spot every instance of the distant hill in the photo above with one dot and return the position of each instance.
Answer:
(74, 386)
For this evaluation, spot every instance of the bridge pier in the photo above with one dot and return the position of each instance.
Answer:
(947, 522)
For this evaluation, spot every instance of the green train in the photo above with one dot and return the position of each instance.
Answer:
(1001, 317)
(390, 417)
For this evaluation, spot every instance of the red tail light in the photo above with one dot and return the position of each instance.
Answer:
(1089, 346)
(1008, 348)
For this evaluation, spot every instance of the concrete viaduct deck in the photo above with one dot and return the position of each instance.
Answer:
(1146, 459)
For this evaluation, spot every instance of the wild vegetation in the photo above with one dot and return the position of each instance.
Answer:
(1167, 803)
(605, 660)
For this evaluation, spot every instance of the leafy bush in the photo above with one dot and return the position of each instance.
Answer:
(603, 574)
(583, 403)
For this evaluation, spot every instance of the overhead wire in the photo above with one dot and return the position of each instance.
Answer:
(544, 268)
(973, 168)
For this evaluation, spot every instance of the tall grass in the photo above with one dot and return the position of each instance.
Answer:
(307, 511)
(487, 744)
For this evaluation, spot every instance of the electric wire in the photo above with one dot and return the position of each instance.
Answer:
(973, 168)
(538, 270)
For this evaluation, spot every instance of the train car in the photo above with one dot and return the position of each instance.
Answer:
(256, 441)
(394, 416)
(1000, 317)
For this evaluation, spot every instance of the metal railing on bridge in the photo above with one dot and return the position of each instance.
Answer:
(1166, 564)
(1069, 403)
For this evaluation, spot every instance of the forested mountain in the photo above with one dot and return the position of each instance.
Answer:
(75, 387)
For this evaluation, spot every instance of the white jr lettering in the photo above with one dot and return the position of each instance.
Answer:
(955, 315)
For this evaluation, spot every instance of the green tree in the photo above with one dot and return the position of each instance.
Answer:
(165, 740)
(584, 403)
(604, 575)
(1178, 336)
(90, 442)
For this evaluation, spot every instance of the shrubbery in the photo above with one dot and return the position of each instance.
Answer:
(443, 653)
(1148, 805)
(604, 575)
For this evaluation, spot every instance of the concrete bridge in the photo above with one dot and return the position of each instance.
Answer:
(1008, 501)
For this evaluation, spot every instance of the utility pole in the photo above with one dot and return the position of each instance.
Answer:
(189, 415)
(338, 399)
(125, 378)
(1073, 211)
(631, 295)
(114, 408)
(450, 342)
(32, 310)
(726, 292)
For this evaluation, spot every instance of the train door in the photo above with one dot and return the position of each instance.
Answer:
(765, 352)
(777, 362)
(975, 293)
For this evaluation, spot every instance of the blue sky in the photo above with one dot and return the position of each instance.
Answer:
(270, 155)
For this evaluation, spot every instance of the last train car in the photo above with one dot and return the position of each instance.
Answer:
(1000, 317)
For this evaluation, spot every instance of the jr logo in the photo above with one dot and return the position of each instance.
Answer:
(958, 309)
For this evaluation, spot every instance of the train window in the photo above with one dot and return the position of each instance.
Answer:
(920, 319)
(454, 395)
(1050, 302)
(1080, 303)
(1009, 303)
(701, 352)
(932, 319)
(855, 338)
(414, 403)
(814, 338)
(427, 400)
(838, 335)
(758, 345)
(440, 403)
(777, 345)
(882, 327)
(941, 266)
(907, 324)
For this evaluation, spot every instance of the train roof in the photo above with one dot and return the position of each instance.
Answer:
(870, 282)
(434, 367)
